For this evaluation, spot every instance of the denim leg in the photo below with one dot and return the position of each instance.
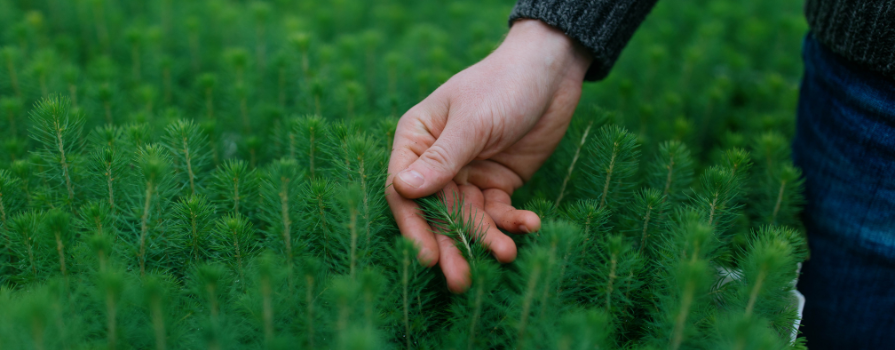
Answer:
(845, 145)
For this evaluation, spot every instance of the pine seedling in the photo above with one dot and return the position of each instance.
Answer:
(362, 167)
(27, 245)
(371, 285)
(406, 315)
(209, 283)
(101, 246)
(58, 230)
(681, 304)
(780, 196)
(770, 149)
(350, 237)
(535, 267)
(611, 278)
(103, 92)
(318, 197)
(734, 331)
(671, 173)
(135, 39)
(111, 283)
(58, 131)
(35, 314)
(561, 239)
(769, 269)
(447, 215)
(106, 168)
(238, 60)
(234, 184)
(189, 147)
(611, 161)
(192, 223)
(302, 141)
(148, 203)
(344, 294)
(592, 220)
(156, 294)
(96, 218)
(312, 275)
(473, 313)
(135, 137)
(262, 299)
(717, 197)
(643, 219)
(580, 132)
(234, 239)
(545, 209)
(583, 329)
(281, 207)
(206, 83)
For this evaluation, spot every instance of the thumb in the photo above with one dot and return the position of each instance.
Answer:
(454, 149)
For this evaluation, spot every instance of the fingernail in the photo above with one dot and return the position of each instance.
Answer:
(412, 178)
(524, 228)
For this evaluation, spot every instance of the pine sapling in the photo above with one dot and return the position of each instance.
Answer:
(25, 229)
(107, 167)
(112, 284)
(592, 219)
(448, 215)
(189, 148)
(580, 131)
(56, 223)
(644, 217)
(280, 212)
(234, 237)
(319, 195)
(153, 164)
(779, 196)
(612, 160)
(412, 278)
(234, 182)
(671, 173)
(193, 217)
(769, 270)
(584, 329)
(58, 132)
(155, 294)
(207, 83)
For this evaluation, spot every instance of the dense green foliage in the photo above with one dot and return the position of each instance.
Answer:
(210, 173)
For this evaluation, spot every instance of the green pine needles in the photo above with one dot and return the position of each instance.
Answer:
(210, 175)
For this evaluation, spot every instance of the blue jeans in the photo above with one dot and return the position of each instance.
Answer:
(845, 145)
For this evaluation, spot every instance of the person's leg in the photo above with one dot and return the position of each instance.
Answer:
(845, 145)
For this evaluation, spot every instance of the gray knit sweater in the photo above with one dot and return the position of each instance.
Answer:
(862, 31)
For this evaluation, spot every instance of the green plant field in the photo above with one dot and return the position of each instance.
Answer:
(210, 174)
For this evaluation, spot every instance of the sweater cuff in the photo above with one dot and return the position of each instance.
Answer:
(603, 26)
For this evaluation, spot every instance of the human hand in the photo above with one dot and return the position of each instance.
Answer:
(482, 135)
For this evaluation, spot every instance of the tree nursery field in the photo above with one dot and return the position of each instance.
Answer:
(211, 173)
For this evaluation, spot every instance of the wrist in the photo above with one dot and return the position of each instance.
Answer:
(547, 46)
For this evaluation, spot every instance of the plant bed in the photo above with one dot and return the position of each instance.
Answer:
(210, 174)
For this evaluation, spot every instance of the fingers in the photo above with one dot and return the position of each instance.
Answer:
(502, 247)
(438, 164)
(413, 226)
(497, 205)
(454, 267)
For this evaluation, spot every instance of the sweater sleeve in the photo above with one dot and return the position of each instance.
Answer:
(602, 26)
